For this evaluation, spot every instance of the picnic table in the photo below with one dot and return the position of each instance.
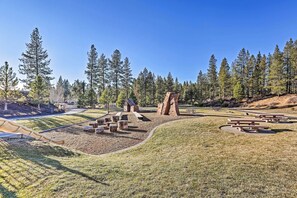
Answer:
(269, 117)
(242, 124)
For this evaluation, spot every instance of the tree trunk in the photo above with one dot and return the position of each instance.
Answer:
(38, 106)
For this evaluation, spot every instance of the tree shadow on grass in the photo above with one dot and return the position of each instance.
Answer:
(38, 156)
(84, 116)
(6, 193)
(47, 123)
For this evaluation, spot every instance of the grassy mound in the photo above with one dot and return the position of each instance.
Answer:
(187, 158)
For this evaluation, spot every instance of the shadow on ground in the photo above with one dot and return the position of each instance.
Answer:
(23, 164)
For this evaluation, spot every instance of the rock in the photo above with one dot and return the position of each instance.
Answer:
(169, 106)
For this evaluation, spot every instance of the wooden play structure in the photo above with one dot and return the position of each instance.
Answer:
(170, 105)
(11, 127)
(130, 106)
(108, 124)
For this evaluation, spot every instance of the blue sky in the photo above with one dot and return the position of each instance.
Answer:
(162, 35)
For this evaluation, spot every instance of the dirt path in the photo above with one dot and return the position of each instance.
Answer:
(92, 143)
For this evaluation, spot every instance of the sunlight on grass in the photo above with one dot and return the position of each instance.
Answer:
(40, 124)
(186, 158)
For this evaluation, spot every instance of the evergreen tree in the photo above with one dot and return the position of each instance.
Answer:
(121, 99)
(238, 92)
(66, 87)
(116, 71)
(91, 72)
(160, 90)
(240, 72)
(224, 78)
(34, 61)
(263, 79)
(288, 66)
(106, 97)
(150, 88)
(38, 90)
(176, 86)
(212, 75)
(59, 92)
(202, 87)
(141, 88)
(78, 89)
(127, 77)
(248, 78)
(293, 64)
(277, 78)
(102, 73)
(257, 76)
(169, 82)
(8, 84)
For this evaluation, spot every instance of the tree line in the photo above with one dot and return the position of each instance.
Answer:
(110, 80)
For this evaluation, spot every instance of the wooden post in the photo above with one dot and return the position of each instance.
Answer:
(100, 129)
(115, 118)
(123, 124)
(100, 121)
(113, 127)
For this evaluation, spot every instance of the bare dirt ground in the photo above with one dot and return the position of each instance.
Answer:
(92, 143)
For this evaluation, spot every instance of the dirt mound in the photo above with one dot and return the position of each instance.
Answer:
(26, 109)
(275, 102)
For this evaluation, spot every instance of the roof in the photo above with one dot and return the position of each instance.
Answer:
(130, 102)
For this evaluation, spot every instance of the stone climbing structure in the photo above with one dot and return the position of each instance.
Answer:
(169, 105)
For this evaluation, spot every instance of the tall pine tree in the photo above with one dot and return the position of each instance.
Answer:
(277, 78)
(212, 75)
(92, 74)
(116, 71)
(34, 61)
(127, 77)
(8, 83)
(224, 78)
(103, 71)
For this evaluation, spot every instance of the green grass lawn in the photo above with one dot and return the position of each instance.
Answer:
(187, 158)
(40, 124)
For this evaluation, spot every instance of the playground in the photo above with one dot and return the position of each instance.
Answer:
(215, 150)
(191, 151)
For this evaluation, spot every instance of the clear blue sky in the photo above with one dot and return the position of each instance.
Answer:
(162, 35)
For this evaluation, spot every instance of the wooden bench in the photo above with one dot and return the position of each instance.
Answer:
(253, 124)
(248, 123)
(272, 117)
(252, 121)
(138, 115)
